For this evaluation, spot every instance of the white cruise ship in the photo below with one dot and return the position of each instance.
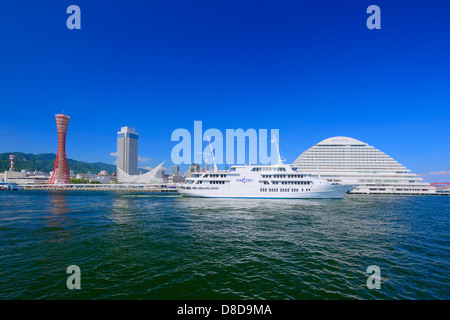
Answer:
(260, 181)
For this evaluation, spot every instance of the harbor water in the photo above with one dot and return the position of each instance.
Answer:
(162, 246)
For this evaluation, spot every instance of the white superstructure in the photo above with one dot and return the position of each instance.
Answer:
(349, 161)
(260, 181)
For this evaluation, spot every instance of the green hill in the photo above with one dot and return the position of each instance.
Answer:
(46, 161)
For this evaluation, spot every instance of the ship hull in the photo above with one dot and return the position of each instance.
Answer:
(322, 192)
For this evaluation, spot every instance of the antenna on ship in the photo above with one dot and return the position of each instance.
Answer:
(278, 150)
(211, 154)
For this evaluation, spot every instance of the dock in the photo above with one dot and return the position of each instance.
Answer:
(104, 187)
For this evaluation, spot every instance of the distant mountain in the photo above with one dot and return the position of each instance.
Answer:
(46, 161)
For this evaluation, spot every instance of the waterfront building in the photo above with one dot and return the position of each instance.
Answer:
(12, 176)
(127, 150)
(174, 179)
(174, 170)
(349, 161)
(25, 178)
(194, 168)
(89, 176)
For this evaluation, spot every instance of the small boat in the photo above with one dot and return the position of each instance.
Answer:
(9, 186)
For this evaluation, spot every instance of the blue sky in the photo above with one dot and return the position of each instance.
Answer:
(309, 68)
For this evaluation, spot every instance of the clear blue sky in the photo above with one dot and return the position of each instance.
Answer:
(309, 68)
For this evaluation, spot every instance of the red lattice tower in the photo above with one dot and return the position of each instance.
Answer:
(60, 173)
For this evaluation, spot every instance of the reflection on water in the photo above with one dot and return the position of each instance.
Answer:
(58, 219)
(121, 210)
(219, 204)
(58, 204)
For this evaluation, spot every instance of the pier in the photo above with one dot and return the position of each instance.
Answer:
(104, 187)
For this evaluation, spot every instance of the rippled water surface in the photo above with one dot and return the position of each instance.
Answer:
(147, 246)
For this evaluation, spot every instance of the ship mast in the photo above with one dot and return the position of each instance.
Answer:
(278, 150)
(212, 154)
(317, 167)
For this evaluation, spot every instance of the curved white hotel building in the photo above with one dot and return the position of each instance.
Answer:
(349, 161)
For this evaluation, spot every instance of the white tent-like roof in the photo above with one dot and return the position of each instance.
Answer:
(153, 176)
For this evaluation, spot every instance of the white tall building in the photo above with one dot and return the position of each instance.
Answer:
(349, 161)
(127, 150)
